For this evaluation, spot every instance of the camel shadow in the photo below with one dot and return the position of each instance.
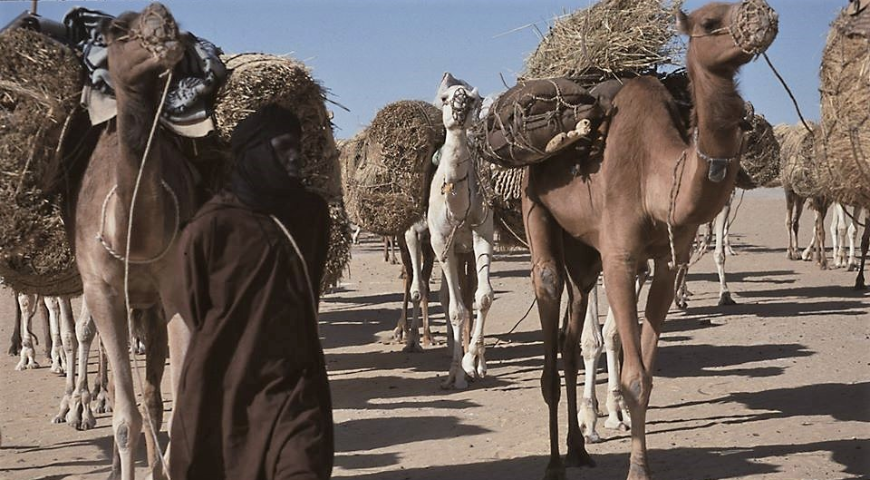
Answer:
(681, 361)
(682, 463)
(744, 276)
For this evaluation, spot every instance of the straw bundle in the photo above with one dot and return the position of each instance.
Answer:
(257, 80)
(845, 109)
(798, 163)
(350, 153)
(612, 37)
(387, 187)
(40, 84)
(339, 246)
(759, 161)
(502, 190)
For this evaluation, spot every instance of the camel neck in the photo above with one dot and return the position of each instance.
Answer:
(136, 111)
(718, 110)
(455, 156)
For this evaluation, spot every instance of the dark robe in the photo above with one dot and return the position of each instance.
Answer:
(253, 402)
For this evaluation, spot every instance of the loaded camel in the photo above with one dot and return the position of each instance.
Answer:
(142, 48)
(460, 224)
(656, 184)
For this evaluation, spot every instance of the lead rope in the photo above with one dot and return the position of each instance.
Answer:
(136, 367)
(304, 267)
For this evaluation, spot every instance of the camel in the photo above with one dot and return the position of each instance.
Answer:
(843, 227)
(460, 223)
(142, 49)
(418, 258)
(657, 182)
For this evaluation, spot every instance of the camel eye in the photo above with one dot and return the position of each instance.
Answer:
(710, 24)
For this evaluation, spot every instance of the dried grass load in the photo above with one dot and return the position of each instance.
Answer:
(759, 161)
(612, 37)
(797, 158)
(339, 247)
(845, 108)
(40, 85)
(350, 153)
(388, 186)
(257, 80)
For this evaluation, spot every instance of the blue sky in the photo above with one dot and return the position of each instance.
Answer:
(372, 52)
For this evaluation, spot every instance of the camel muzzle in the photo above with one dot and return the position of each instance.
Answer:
(157, 31)
(754, 25)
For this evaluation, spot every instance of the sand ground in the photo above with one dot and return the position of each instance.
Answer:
(777, 387)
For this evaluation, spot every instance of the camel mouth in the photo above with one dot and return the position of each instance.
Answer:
(754, 26)
(157, 31)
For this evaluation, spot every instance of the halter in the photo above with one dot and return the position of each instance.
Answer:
(720, 162)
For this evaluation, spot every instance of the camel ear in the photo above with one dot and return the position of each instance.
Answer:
(112, 28)
(684, 23)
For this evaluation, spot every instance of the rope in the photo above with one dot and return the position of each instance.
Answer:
(127, 265)
(534, 300)
(512, 232)
(121, 257)
(675, 190)
(312, 297)
(787, 90)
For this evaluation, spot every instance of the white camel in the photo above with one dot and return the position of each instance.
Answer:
(27, 304)
(460, 222)
(843, 227)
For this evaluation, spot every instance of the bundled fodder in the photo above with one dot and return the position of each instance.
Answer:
(610, 38)
(845, 108)
(350, 153)
(502, 190)
(40, 85)
(387, 189)
(257, 80)
(759, 161)
(339, 247)
(798, 162)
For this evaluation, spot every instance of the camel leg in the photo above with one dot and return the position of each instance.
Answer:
(852, 233)
(68, 338)
(458, 315)
(807, 254)
(721, 236)
(155, 339)
(794, 209)
(591, 346)
(27, 304)
(80, 416)
(545, 242)
(820, 254)
(865, 245)
(474, 361)
(428, 264)
(355, 235)
(48, 346)
(179, 340)
(618, 416)
(401, 331)
(837, 250)
(410, 249)
(682, 294)
(110, 316)
(101, 384)
(56, 349)
(620, 269)
(15, 340)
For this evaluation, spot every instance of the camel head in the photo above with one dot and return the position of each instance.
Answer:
(725, 36)
(458, 101)
(141, 46)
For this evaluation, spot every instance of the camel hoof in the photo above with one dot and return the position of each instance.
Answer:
(398, 334)
(582, 459)
(59, 419)
(455, 382)
(725, 299)
(682, 304)
(102, 404)
(427, 340)
(592, 438)
(413, 348)
(554, 473)
(638, 472)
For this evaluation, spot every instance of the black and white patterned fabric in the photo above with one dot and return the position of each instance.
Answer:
(196, 79)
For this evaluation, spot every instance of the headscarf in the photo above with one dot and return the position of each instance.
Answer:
(259, 179)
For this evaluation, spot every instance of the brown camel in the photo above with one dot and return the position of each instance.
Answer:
(142, 47)
(585, 215)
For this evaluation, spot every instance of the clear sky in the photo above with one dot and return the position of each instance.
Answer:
(372, 52)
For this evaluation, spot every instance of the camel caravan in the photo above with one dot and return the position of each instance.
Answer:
(602, 162)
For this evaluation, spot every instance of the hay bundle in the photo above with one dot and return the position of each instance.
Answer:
(339, 247)
(40, 85)
(388, 186)
(502, 190)
(350, 153)
(257, 80)
(759, 161)
(612, 37)
(845, 109)
(798, 163)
